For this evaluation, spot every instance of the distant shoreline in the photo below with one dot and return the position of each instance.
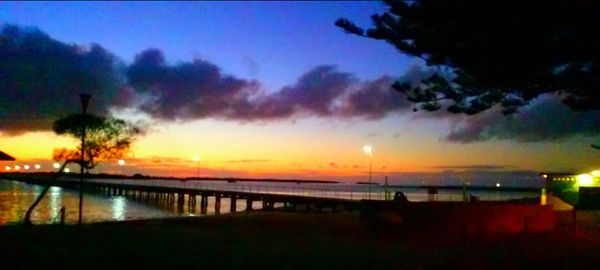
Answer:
(17, 176)
(148, 177)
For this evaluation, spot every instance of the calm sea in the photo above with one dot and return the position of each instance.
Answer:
(16, 197)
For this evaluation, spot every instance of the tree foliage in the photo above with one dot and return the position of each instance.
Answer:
(106, 138)
(504, 52)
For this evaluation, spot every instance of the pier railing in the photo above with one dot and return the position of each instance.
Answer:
(348, 192)
(305, 190)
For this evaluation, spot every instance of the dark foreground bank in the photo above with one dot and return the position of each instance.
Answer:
(291, 241)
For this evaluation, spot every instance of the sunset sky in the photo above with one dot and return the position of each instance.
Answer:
(277, 90)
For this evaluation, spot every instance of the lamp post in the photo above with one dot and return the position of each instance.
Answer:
(369, 150)
(85, 101)
(197, 159)
(121, 163)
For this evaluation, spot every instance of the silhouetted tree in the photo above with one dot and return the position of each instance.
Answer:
(106, 139)
(504, 52)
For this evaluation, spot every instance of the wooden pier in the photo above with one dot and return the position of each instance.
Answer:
(172, 196)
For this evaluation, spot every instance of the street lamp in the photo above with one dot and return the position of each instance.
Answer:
(197, 159)
(369, 150)
(121, 163)
(85, 101)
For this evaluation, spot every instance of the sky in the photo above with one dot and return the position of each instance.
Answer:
(273, 90)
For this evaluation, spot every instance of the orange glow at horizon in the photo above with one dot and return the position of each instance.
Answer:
(306, 149)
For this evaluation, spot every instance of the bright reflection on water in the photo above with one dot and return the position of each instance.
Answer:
(16, 197)
(55, 203)
(119, 206)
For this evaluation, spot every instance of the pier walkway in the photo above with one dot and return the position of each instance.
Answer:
(181, 192)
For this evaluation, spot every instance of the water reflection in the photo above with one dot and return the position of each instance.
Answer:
(55, 203)
(119, 206)
(16, 197)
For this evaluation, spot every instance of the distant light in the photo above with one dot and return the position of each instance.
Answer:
(196, 158)
(121, 162)
(368, 149)
(37, 166)
(26, 167)
(545, 175)
(56, 165)
(596, 173)
(497, 184)
(585, 179)
(67, 170)
(17, 167)
(8, 168)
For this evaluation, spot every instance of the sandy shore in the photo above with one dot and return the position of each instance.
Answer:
(285, 240)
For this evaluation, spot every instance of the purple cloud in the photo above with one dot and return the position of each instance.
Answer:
(545, 119)
(198, 89)
(186, 91)
(41, 78)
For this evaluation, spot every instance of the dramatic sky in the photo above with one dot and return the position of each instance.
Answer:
(260, 90)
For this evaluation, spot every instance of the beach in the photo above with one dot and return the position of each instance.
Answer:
(293, 240)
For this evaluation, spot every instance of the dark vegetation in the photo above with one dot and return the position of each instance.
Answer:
(566, 191)
(497, 52)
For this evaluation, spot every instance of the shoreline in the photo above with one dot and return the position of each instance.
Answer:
(297, 240)
(291, 240)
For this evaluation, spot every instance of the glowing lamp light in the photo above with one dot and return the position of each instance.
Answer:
(37, 166)
(121, 162)
(497, 184)
(368, 149)
(26, 167)
(585, 179)
(67, 170)
(8, 168)
(56, 165)
(595, 173)
(17, 167)
(545, 175)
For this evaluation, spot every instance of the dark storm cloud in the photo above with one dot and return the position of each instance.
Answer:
(545, 119)
(375, 99)
(198, 90)
(314, 93)
(187, 91)
(41, 78)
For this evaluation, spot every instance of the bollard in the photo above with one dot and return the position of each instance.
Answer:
(575, 220)
(62, 215)
(232, 204)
